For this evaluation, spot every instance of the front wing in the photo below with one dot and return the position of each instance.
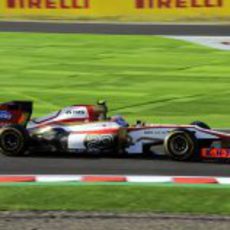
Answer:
(215, 153)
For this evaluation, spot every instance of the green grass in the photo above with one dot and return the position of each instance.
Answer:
(147, 77)
(117, 198)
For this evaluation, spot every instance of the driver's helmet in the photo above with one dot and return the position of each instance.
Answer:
(119, 120)
(102, 109)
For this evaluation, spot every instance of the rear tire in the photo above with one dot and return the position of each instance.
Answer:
(181, 145)
(13, 140)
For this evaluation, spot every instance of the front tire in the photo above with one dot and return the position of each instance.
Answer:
(13, 140)
(181, 145)
(200, 124)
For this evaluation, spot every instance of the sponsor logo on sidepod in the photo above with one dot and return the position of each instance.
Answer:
(5, 115)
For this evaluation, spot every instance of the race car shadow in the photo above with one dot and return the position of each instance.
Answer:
(62, 155)
(93, 156)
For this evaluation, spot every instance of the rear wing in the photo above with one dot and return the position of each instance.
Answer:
(15, 112)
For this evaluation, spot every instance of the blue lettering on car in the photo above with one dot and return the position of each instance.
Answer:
(5, 115)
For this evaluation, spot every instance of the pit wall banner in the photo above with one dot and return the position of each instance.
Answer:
(117, 10)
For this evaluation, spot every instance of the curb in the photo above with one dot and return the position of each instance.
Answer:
(114, 178)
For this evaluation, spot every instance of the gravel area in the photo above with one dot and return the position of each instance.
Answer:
(105, 221)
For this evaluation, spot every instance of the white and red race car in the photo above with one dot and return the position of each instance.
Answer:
(87, 129)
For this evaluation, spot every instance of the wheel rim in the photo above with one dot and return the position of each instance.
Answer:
(10, 141)
(179, 145)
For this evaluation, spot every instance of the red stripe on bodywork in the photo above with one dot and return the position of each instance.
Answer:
(62, 122)
(216, 133)
(159, 127)
(104, 131)
(211, 132)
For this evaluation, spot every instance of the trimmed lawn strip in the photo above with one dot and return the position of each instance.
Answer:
(117, 198)
(77, 183)
(151, 78)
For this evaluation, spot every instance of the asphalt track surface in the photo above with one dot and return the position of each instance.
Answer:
(53, 164)
(56, 164)
(113, 28)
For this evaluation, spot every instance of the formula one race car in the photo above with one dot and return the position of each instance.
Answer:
(87, 129)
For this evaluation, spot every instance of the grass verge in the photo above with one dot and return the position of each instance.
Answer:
(152, 78)
(209, 199)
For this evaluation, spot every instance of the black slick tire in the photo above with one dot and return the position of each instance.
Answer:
(13, 140)
(181, 145)
(200, 124)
